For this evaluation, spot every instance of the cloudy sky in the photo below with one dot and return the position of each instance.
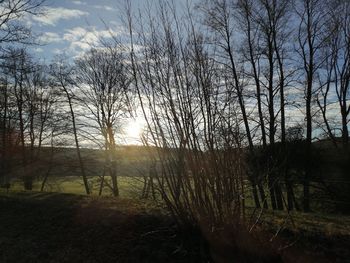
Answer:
(69, 26)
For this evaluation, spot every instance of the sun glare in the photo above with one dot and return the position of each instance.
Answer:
(134, 128)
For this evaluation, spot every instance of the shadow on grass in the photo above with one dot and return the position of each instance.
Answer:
(56, 227)
(50, 227)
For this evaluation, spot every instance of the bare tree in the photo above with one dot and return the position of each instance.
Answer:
(30, 94)
(104, 90)
(12, 30)
(18, 68)
(311, 39)
(62, 73)
(220, 20)
(12, 13)
(244, 14)
(194, 120)
(336, 53)
(271, 18)
(7, 131)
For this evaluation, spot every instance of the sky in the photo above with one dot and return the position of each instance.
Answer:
(69, 26)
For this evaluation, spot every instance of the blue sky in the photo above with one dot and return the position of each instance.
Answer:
(69, 26)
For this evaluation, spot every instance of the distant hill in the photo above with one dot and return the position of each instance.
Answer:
(132, 161)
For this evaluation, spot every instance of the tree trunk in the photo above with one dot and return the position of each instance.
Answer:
(345, 130)
(113, 160)
(81, 163)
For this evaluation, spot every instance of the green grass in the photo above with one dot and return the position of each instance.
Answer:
(317, 223)
(130, 187)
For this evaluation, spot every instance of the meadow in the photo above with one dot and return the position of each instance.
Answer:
(62, 205)
(62, 227)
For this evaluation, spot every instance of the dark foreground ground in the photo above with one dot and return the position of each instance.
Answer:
(49, 227)
(41, 227)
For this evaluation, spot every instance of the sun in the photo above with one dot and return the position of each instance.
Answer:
(134, 128)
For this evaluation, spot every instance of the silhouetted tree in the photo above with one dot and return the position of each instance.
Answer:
(104, 90)
(62, 75)
(311, 38)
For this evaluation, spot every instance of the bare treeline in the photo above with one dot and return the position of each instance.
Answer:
(237, 91)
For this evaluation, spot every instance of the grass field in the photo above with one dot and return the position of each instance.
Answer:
(61, 224)
(131, 188)
(128, 186)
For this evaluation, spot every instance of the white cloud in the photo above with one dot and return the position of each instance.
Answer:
(38, 50)
(82, 39)
(54, 14)
(57, 51)
(104, 7)
(50, 37)
(78, 3)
